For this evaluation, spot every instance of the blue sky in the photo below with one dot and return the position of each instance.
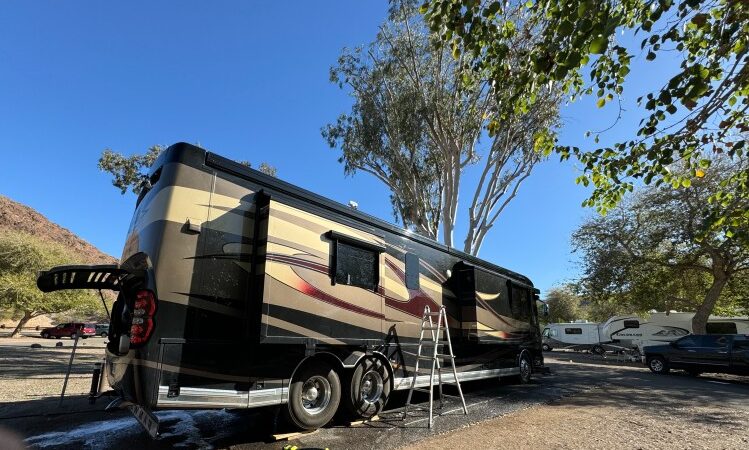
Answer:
(248, 80)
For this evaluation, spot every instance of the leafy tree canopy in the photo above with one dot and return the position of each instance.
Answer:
(564, 305)
(659, 250)
(699, 112)
(130, 172)
(22, 256)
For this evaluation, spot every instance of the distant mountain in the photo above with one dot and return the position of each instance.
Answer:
(18, 217)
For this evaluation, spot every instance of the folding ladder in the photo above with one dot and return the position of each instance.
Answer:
(427, 324)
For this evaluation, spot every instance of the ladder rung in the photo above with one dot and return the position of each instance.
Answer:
(432, 314)
(438, 355)
(432, 328)
(422, 390)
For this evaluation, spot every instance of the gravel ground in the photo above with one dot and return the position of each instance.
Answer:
(586, 403)
(616, 416)
(34, 373)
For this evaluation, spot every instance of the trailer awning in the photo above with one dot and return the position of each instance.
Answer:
(107, 276)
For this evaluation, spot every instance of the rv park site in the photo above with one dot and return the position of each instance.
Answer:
(393, 224)
(586, 401)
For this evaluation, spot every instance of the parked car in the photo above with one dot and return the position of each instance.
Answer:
(715, 353)
(102, 329)
(71, 330)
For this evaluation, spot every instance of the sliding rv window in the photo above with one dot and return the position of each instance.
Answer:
(356, 262)
(573, 331)
(356, 266)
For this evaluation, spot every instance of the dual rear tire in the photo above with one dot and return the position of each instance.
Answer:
(316, 392)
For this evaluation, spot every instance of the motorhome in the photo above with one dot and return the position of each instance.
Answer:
(580, 335)
(239, 290)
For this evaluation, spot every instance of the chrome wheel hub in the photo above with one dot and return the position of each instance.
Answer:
(316, 394)
(371, 387)
(656, 365)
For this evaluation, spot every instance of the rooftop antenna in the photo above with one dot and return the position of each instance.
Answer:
(353, 205)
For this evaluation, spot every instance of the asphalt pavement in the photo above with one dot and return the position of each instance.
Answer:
(81, 426)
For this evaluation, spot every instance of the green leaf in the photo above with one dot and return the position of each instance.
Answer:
(686, 182)
(565, 28)
(599, 45)
(601, 101)
(650, 56)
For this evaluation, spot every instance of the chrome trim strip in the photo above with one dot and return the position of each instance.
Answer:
(423, 380)
(190, 397)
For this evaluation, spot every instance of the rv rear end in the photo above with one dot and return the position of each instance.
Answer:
(180, 320)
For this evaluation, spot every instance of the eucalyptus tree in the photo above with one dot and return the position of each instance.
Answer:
(662, 242)
(418, 122)
(700, 111)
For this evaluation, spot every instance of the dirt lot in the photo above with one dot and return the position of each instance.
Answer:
(606, 418)
(587, 402)
(28, 374)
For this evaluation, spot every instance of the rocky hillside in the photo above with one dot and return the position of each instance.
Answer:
(15, 216)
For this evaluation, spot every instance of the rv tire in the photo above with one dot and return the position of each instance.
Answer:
(526, 369)
(314, 395)
(368, 389)
(597, 350)
(546, 347)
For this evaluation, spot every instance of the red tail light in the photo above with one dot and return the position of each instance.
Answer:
(143, 312)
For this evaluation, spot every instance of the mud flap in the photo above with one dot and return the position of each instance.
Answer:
(146, 418)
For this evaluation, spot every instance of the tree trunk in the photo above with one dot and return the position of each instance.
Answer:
(26, 317)
(699, 321)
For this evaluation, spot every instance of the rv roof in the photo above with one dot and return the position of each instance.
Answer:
(275, 184)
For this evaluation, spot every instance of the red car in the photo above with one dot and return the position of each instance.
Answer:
(71, 330)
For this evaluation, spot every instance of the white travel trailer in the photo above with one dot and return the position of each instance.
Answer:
(632, 332)
(681, 323)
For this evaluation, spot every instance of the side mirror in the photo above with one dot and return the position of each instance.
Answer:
(546, 310)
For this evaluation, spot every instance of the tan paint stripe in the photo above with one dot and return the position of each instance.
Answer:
(186, 370)
(202, 304)
(294, 328)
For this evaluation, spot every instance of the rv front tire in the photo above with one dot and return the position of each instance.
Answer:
(314, 395)
(526, 370)
(367, 392)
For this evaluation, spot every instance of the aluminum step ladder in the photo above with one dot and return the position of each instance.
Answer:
(434, 338)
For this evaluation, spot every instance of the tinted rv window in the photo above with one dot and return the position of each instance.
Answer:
(356, 266)
(520, 304)
(721, 328)
(631, 324)
(412, 271)
(573, 331)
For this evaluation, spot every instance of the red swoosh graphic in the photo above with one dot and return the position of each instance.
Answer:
(417, 299)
